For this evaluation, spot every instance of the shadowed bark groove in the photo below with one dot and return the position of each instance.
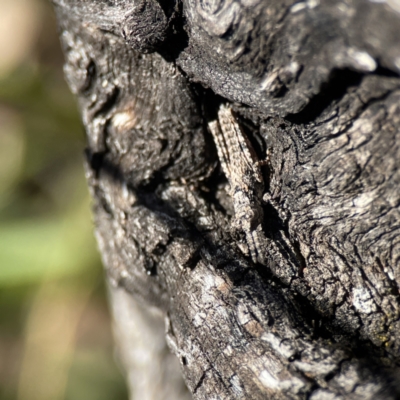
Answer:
(315, 87)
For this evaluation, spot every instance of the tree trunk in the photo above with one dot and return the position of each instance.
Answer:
(243, 158)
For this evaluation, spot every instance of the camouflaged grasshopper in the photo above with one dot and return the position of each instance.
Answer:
(242, 169)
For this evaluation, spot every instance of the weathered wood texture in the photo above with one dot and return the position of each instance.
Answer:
(315, 86)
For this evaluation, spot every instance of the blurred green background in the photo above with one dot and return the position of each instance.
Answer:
(55, 335)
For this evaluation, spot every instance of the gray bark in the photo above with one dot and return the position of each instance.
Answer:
(315, 86)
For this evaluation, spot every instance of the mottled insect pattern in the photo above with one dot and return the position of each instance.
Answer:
(242, 169)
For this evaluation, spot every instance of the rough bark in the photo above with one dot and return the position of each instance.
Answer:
(315, 85)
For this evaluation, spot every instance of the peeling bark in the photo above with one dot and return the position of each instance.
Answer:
(315, 87)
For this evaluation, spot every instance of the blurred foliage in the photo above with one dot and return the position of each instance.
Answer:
(55, 336)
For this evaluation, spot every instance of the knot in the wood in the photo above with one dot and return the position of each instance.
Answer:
(144, 29)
